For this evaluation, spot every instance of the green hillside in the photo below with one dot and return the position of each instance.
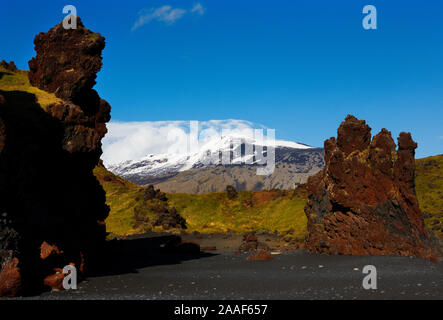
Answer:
(429, 188)
(267, 211)
(18, 81)
(121, 197)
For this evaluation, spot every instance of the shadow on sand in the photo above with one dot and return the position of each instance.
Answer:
(141, 251)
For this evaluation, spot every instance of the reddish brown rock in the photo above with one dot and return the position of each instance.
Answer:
(363, 201)
(8, 66)
(170, 219)
(156, 201)
(210, 248)
(53, 206)
(47, 250)
(10, 279)
(55, 280)
(151, 193)
(260, 256)
(67, 61)
(82, 131)
(249, 242)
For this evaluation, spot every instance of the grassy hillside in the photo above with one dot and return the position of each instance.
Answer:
(429, 188)
(268, 211)
(121, 197)
(18, 81)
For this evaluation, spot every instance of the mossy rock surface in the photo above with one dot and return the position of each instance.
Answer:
(18, 81)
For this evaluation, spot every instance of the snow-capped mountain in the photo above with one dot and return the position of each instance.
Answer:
(232, 155)
(211, 154)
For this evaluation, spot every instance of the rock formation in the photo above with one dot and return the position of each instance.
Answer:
(155, 202)
(363, 201)
(67, 61)
(52, 208)
(170, 219)
(231, 192)
(8, 66)
(151, 193)
(260, 256)
(251, 243)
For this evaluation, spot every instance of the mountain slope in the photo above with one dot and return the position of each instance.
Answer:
(121, 197)
(209, 152)
(243, 177)
(269, 211)
(263, 210)
(294, 163)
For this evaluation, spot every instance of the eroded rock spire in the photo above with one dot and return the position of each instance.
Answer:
(363, 201)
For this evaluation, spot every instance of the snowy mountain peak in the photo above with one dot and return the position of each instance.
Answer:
(234, 149)
(159, 148)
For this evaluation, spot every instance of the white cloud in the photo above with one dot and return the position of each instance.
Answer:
(135, 140)
(165, 14)
(172, 15)
(198, 8)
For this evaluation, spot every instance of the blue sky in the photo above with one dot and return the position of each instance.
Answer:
(297, 66)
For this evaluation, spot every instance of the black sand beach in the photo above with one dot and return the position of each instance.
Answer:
(140, 269)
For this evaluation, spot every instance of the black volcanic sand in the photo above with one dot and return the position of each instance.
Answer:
(140, 268)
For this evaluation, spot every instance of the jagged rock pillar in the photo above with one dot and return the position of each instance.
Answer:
(363, 201)
(52, 208)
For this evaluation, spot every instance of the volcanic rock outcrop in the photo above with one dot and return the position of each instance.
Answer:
(169, 219)
(363, 201)
(52, 208)
(8, 66)
(251, 243)
(231, 192)
(70, 69)
(260, 256)
(155, 201)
